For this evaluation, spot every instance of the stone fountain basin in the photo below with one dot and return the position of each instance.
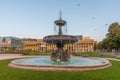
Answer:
(19, 63)
(64, 39)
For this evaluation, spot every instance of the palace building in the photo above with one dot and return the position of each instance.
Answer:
(84, 44)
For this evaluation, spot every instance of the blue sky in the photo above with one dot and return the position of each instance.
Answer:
(35, 18)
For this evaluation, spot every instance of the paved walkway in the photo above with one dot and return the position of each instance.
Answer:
(12, 56)
(113, 59)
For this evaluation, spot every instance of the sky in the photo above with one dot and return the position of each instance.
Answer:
(35, 18)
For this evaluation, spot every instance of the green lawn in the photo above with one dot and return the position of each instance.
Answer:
(96, 54)
(7, 73)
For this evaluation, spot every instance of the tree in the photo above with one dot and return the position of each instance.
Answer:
(112, 40)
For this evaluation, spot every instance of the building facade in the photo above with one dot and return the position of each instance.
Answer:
(7, 43)
(83, 45)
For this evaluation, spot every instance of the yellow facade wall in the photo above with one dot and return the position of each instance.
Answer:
(86, 44)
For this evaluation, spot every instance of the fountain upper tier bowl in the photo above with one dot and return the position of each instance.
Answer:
(56, 39)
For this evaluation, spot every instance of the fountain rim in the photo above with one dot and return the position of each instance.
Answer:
(61, 68)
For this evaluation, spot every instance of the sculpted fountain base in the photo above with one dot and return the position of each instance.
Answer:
(60, 55)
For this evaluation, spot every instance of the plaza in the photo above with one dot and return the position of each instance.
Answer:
(59, 40)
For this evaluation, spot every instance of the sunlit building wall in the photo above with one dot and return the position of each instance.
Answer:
(83, 45)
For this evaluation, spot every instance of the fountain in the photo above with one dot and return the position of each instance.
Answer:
(60, 59)
(60, 40)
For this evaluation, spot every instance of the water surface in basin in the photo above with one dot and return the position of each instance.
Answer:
(47, 62)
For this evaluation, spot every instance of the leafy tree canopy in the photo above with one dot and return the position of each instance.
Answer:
(112, 40)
